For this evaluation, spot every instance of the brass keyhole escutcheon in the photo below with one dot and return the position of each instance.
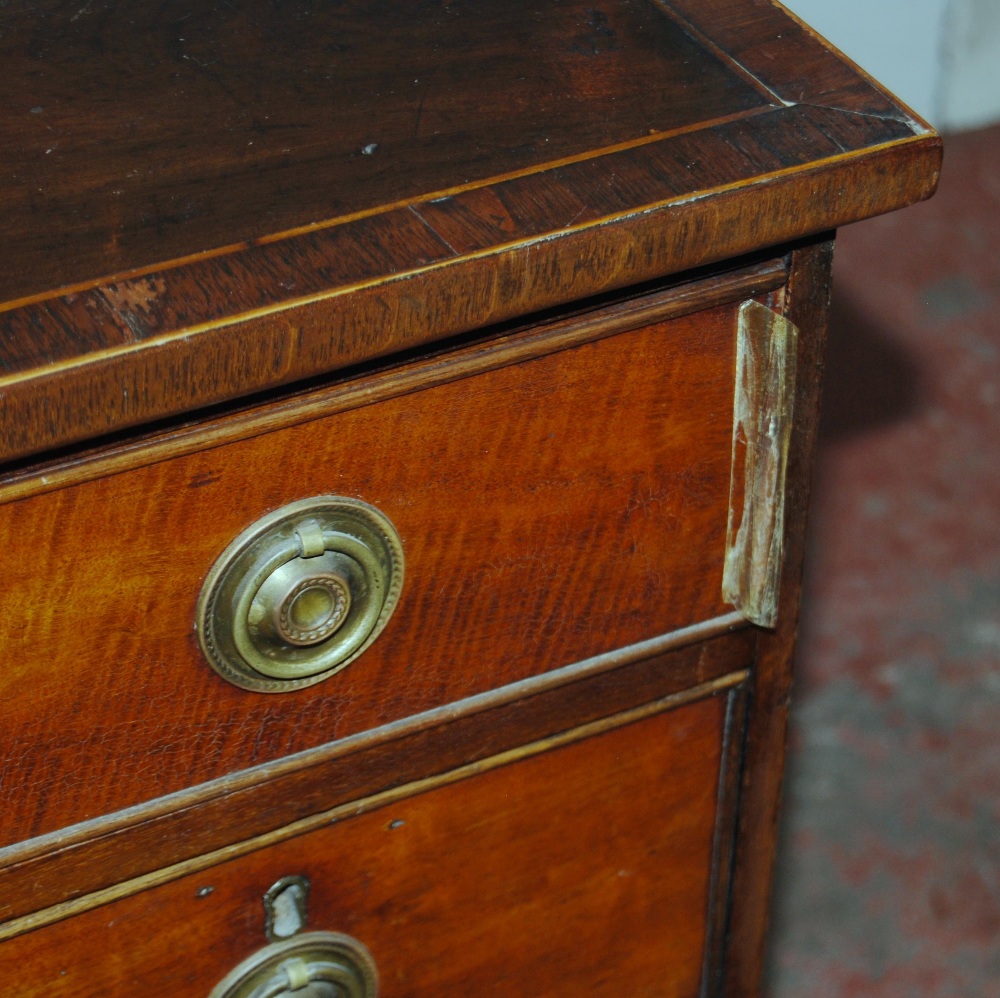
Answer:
(310, 965)
(300, 594)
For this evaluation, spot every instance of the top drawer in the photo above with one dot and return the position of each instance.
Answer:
(555, 499)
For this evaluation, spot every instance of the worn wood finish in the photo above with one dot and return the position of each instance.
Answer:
(549, 511)
(618, 828)
(588, 198)
(70, 398)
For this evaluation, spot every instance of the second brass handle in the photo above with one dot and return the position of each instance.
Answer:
(296, 974)
(311, 965)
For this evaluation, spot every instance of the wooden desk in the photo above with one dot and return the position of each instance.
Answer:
(532, 298)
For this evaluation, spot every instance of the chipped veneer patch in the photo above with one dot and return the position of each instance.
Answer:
(762, 420)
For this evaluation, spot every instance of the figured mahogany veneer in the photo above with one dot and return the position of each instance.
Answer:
(482, 266)
(550, 511)
(456, 893)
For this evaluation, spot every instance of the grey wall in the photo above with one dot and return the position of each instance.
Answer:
(969, 90)
(942, 57)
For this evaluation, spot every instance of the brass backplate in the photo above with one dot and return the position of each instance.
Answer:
(309, 965)
(300, 594)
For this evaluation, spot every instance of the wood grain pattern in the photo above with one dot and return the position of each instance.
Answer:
(98, 393)
(513, 343)
(60, 875)
(549, 511)
(417, 252)
(258, 251)
(445, 888)
(335, 108)
(798, 66)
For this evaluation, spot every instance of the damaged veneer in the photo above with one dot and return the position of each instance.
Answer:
(762, 421)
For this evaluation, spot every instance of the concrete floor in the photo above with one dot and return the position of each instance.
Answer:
(889, 879)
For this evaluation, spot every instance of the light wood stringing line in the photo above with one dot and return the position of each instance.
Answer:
(128, 888)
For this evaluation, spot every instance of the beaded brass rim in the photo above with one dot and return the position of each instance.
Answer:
(300, 594)
(300, 964)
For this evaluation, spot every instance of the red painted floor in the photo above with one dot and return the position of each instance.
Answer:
(889, 882)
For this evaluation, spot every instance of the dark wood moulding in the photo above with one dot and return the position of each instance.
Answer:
(465, 213)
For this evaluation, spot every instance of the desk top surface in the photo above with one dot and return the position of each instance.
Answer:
(178, 179)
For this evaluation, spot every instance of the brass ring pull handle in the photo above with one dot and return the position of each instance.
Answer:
(311, 965)
(300, 594)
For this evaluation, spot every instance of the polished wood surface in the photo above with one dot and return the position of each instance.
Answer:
(614, 834)
(549, 511)
(512, 343)
(183, 282)
(342, 108)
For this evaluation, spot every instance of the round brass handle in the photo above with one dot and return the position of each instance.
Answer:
(300, 594)
(310, 965)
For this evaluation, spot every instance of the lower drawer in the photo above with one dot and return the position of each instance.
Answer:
(591, 867)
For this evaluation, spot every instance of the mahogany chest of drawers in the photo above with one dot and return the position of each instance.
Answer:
(407, 416)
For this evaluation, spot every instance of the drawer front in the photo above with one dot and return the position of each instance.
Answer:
(505, 883)
(549, 511)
